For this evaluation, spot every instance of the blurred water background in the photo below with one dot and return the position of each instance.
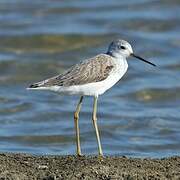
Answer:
(140, 116)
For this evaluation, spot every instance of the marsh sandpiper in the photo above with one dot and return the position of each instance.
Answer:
(92, 77)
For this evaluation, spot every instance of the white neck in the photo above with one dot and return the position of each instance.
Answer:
(117, 55)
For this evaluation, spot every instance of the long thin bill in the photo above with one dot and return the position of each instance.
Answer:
(138, 57)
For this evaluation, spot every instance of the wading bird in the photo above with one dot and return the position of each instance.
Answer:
(92, 77)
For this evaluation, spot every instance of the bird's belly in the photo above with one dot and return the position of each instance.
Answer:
(108, 83)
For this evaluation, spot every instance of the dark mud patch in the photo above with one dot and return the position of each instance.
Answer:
(25, 166)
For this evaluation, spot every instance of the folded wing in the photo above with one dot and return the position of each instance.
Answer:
(92, 70)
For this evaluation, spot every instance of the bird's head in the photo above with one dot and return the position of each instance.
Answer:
(121, 48)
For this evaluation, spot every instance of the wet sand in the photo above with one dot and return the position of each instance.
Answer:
(25, 166)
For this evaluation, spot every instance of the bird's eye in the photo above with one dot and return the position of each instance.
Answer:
(122, 47)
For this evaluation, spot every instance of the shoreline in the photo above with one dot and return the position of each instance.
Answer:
(53, 167)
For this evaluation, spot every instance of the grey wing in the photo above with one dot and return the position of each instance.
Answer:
(92, 70)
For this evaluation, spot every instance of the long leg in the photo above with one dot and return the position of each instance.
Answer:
(94, 119)
(76, 122)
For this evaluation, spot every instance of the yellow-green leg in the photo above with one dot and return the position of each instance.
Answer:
(76, 122)
(94, 119)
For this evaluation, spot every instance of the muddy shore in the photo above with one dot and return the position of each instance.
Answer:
(25, 166)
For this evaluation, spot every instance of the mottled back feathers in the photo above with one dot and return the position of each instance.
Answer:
(91, 70)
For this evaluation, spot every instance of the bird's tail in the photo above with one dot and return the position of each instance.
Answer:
(38, 85)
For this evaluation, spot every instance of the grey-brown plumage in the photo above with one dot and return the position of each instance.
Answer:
(91, 70)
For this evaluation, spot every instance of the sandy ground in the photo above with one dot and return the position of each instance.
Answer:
(25, 166)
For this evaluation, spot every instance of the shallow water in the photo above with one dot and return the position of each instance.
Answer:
(140, 116)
